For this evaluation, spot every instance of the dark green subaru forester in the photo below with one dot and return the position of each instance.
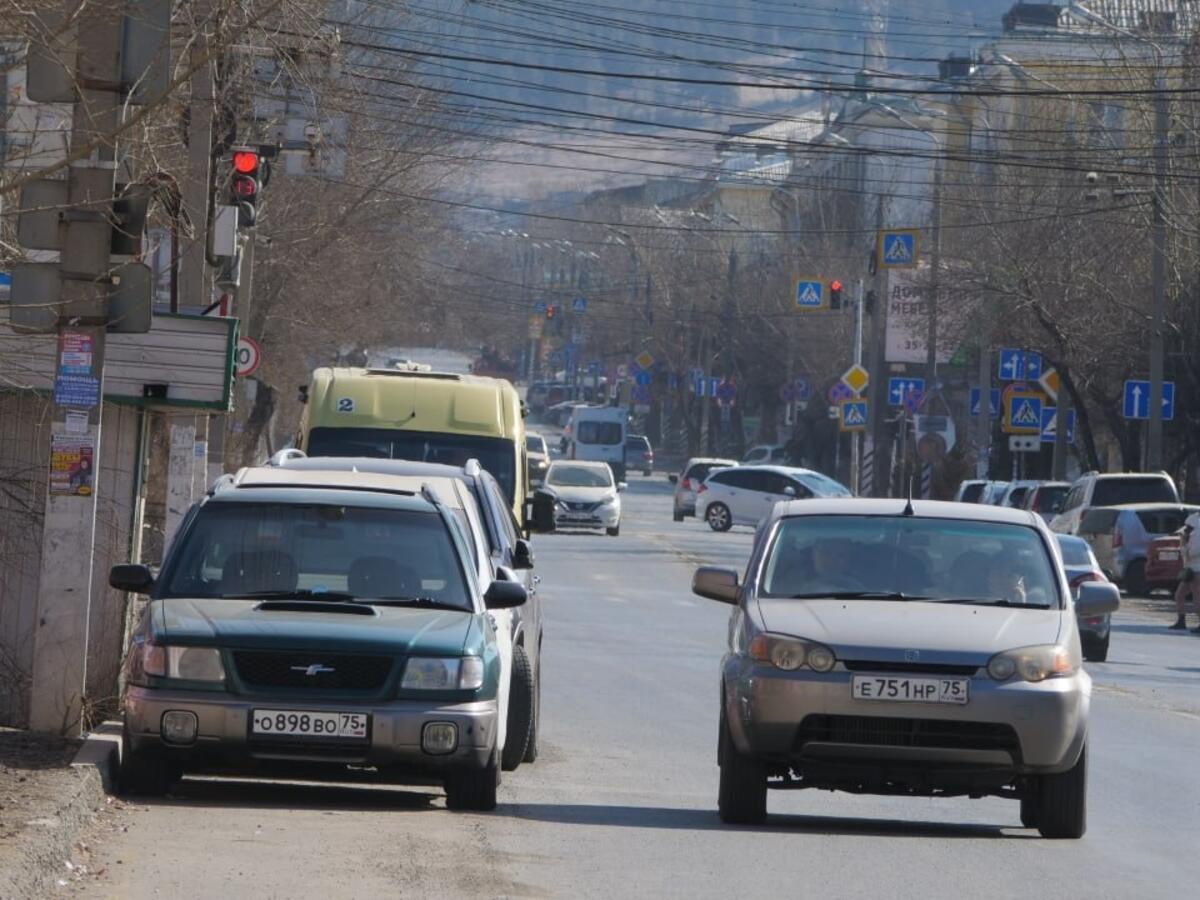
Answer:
(300, 628)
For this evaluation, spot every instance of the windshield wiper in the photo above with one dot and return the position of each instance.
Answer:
(988, 601)
(410, 601)
(858, 595)
(297, 594)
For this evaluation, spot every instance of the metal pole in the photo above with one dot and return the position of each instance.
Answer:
(1062, 416)
(856, 437)
(1154, 450)
(983, 439)
(875, 410)
(935, 285)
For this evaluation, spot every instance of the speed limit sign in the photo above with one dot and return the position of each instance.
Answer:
(246, 357)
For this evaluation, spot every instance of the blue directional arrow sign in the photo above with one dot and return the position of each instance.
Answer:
(1025, 414)
(899, 388)
(593, 368)
(1012, 365)
(1033, 365)
(1049, 424)
(1137, 400)
(995, 404)
(810, 294)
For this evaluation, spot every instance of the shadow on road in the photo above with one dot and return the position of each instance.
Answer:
(1153, 628)
(229, 792)
(707, 820)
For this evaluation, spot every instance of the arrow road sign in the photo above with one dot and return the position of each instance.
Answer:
(540, 307)
(1049, 381)
(1033, 366)
(810, 294)
(995, 402)
(1012, 365)
(1050, 424)
(1025, 414)
(899, 388)
(897, 249)
(1137, 400)
(854, 415)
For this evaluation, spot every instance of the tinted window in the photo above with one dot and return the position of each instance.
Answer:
(637, 443)
(535, 444)
(1075, 552)
(1074, 498)
(971, 493)
(737, 478)
(699, 471)
(822, 485)
(1017, 497)
(242, 548)
(1050, 499)
(936, 559)
(494, 454)
(773, 483)
(1098, 521)
(1118, 491)
(599, 433)
(1162, 521)
(568, 475)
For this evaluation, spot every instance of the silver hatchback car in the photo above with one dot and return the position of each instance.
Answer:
(892, 647)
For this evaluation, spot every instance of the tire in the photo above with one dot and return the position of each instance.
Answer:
(473, 789)
(613, 532)
(678, 516)
(742, 794)
(1096, 651)
(531, 745)
(1062, 802)
(520, 711)
(145, 773)
(1029, 804)
(718, 517)
(1135, 579)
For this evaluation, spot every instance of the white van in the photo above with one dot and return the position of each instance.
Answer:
(597, 433)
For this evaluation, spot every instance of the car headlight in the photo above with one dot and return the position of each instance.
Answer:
(609, 501)
(558, 504)
(1034, 663)
(443, 674)
(195, 664)
(789, 653)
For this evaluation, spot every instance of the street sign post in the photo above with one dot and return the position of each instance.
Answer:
(897, 248)
(994, 402)
(1024, 413)
(645, 359)
(810, 293)
(899, 388)
(643, 378)
(840, 392)
(247, 357)
(1049, 382)
(802, 388)
(1050, 424)
(1136, 403)
(1012, 365)
(579, 305)
(1023, 443)
(854, 415)
(856, 378)
(1033, 366)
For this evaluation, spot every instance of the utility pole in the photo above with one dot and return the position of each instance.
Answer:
(59, 676)
(1062, 416)
(983, 435)
(856, 437)
(878, 385)
(1154, 448)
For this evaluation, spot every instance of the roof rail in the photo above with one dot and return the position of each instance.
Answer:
(430, 494)
(222, 482)
(472, 468)
(281, 458)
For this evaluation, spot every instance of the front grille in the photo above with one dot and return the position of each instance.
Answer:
(582, 507)
(866, 665)
(893, 732)
(291, 670)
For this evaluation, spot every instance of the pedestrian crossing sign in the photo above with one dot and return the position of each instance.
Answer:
(854, 415)
(810, 293)
(897, 249)
(1024, 414)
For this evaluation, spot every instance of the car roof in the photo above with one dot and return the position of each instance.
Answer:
(922, 509)
(1071, 539)
(347, 482)
(1043, 484)
(782, 470)
(296, 462)
(1135, 507)
(586, 463)
(1097, 476)
(698, 460)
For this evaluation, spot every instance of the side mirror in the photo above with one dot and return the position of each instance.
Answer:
(621, 486)
(505, 595)
(522, 555)
(542, 512)
(789, 491)
(1097, 598)
(131, 577)
(674, 479)
(716, 583)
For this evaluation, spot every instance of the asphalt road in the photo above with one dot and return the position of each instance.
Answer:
(622, 802)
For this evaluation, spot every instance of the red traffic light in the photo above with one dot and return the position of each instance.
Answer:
(245, 161)
(835, 285)
(244, 187)
(550, 311)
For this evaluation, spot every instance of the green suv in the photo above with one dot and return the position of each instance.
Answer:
(316, 625)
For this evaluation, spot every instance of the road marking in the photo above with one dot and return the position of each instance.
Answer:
(685, 603)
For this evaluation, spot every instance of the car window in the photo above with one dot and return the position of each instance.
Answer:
(241, 548)
(1098, 521)
(1074, 498)
(939, 559)
(774, 483)
(568, 475)
(1049, 499)
(1017, 497)
(971, 493)
(1119, 491)
(1075, 552)
(590, 432)
(822, 485)
(1162, 521)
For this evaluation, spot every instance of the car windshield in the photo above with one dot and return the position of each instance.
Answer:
(972, 492)
(822, 485)
(579, 476)
(1164, 521)
(494, 454)
(535, 443)
(1050, 498)
(903, 557)
(592, 432)
(1119, 491)
(1075, 551)
(241, 549)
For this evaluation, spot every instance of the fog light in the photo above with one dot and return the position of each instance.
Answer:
(179, 727)
(439, 737)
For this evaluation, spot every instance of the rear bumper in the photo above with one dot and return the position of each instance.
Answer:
(393, 743)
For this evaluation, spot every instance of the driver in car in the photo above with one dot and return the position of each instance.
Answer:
(833, 565)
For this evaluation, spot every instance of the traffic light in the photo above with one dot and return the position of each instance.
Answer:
(551, 311)
(835, 294)
(244, 186)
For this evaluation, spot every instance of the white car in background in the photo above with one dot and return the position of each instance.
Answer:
(746, 495)
(585, 495)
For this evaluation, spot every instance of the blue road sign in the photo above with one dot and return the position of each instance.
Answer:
(995, 402)
(1137, 400)
(854, 414)
(1025, 413)
(640, 394)
(1033, 365)
(899, 388)
(899, 249)
(579, 305)
(540, 307)
(810, 294)
(1049, 414)
(802, 389)
(643, 378)
(1012, 365)
(913, 401)
(594, 368)
(839, 392)
(556, 358)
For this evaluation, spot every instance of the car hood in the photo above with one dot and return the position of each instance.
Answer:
(883, 630)
(252, 624)
(582, 494)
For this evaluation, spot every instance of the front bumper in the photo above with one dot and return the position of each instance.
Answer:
(604, 517)
(1013, 728)
(393, 741)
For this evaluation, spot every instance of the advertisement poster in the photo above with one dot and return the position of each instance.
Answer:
(71, 460)
(74, 382)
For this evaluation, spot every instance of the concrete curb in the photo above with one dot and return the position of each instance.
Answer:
(44, 846)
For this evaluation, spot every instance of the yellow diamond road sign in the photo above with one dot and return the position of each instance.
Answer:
(1049, 382)
(856, 378)
(644, 359)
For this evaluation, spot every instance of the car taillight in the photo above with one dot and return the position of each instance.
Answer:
(647, 455)
(686, 484)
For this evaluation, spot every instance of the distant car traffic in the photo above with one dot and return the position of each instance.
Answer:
(539, 457)
(1046, 498)
(1111, 489)
(1015, 493)
(763, 454)
(1120, 537)
(970, 491)
(639, 456)
(586, 495)
(597, 433)
(746, 495)
(687, 483)
(949, 665)
(1081, 567)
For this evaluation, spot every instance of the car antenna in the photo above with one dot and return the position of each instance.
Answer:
(908, 507)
